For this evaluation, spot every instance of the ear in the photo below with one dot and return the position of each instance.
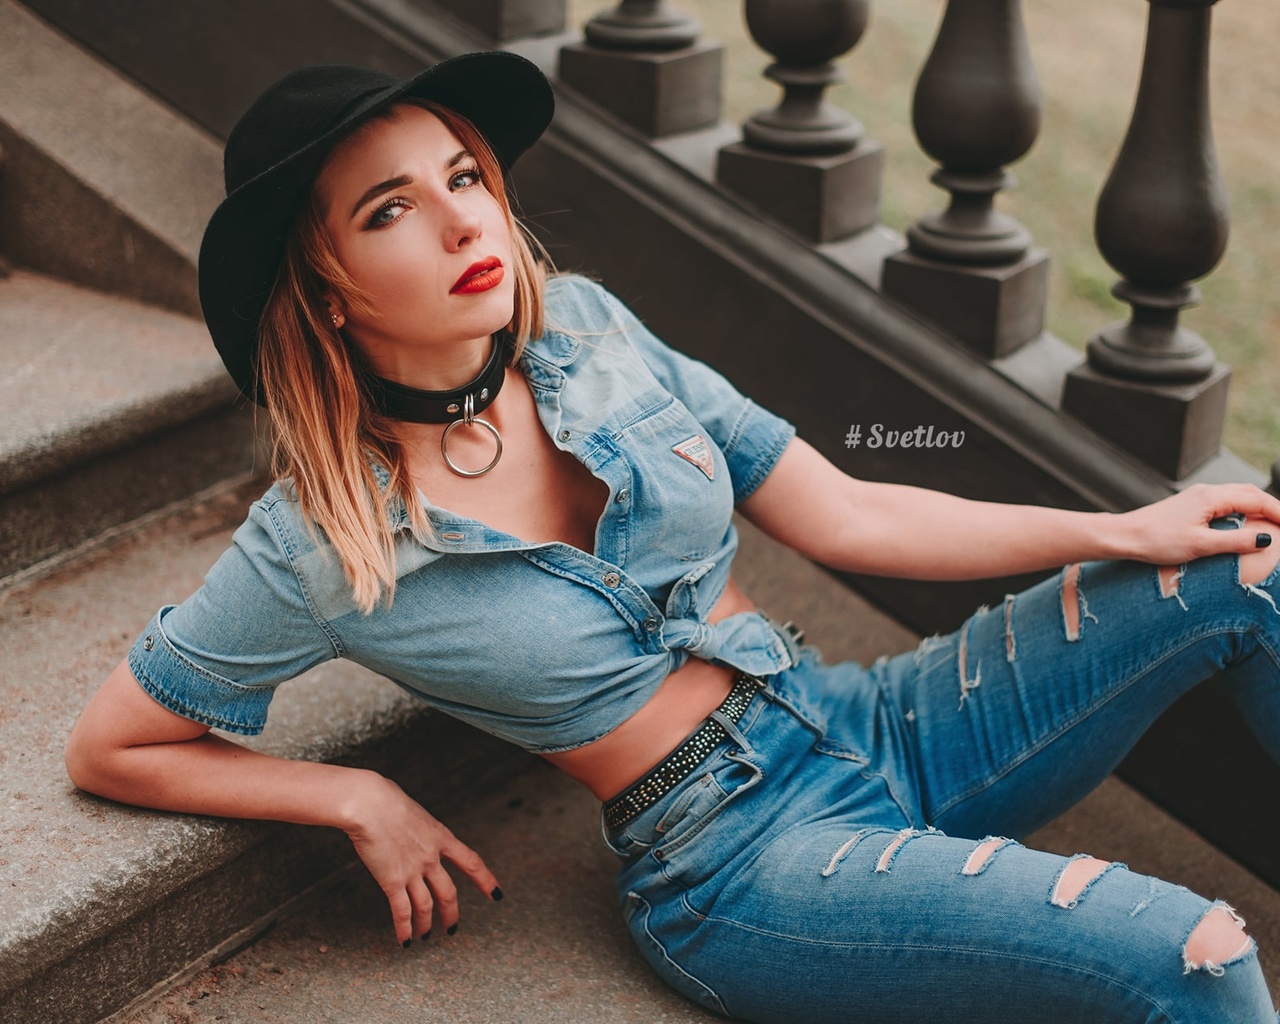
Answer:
(334, 307)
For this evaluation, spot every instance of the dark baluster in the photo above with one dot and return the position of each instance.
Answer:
(971, 268)
(805, 162)
(643, 62)
(1162, 220)
(501, 20)
(642, 25)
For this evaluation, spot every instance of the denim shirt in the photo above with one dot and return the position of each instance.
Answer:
(543, 644)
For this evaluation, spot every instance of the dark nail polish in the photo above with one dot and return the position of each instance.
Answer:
(407, 943)
(1263, 540)
(496, 894)
(426, 935)
(453, 929)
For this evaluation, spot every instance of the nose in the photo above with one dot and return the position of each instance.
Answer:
(462, 224)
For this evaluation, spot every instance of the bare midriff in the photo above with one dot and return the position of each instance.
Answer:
(610, 764)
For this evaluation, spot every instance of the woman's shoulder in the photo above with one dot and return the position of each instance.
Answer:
(280, 499)
(579, 305)
(275, 527)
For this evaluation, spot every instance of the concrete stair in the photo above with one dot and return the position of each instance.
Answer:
(112, 402)
(101, 183)
(124, 466)
(109, 409)
(100, 902)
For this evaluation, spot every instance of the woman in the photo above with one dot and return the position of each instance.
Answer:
(509, 497)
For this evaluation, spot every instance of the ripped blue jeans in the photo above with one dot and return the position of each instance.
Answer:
(841, 857)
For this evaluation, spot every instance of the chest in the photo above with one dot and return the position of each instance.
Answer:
(537, 492)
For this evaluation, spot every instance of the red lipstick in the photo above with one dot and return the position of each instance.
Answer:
(479, 277)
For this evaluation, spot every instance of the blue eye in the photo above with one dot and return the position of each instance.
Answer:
(387, 213)
(466, 178)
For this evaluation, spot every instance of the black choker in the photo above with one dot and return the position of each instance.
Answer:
(456, 407)
(414, 405)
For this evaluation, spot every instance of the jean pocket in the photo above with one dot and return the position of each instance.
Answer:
(701, 804)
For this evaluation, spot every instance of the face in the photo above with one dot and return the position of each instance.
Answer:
(421, 235)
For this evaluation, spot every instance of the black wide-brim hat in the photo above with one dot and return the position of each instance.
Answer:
(277, 147)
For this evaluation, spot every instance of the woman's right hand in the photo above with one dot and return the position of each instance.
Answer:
(404, 849)
(127, 747)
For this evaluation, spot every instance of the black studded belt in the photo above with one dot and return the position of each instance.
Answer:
(678, 765)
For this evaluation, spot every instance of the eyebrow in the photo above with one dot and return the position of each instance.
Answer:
(400, 180)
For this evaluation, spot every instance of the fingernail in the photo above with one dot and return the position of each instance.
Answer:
(453, 929)
(426, 935)
(407, 943)
(497, 893)
(1263, 540)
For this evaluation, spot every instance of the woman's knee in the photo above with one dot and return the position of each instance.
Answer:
(1252, 567)
(1256, 566)
(1217, 940)
(1213, 942)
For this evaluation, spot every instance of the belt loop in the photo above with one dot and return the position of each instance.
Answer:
(791, 635)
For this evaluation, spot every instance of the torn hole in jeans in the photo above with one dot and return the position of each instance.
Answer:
(979, 860)
(1076, 878)
(1170, 579)
(1075, 607)
(1217, 941)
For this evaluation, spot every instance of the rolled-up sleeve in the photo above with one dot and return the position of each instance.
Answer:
(218, 657)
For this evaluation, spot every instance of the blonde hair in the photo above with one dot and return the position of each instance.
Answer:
(327, 431)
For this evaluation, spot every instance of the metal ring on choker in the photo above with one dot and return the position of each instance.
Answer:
(414, 405)
(681, 762)
(470, 419)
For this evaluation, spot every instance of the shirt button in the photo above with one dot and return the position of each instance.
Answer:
(564, 435)
(611, 579)
(651, 625)
(623, 495)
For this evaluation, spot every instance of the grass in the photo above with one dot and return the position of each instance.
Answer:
(1088, 54)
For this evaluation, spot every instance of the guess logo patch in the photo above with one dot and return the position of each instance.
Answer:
(697, 451)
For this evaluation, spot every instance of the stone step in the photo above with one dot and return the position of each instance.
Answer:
(101, 183)
(112, 400)
(99, 902)
(109, 408)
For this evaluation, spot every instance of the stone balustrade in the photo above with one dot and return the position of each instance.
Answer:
(972, 271)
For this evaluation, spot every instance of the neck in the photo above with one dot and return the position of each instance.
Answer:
(417, 405)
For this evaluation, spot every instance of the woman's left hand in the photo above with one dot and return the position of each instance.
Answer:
(1177, 529)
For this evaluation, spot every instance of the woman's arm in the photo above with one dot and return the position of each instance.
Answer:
(129, 748)
(914, 533)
